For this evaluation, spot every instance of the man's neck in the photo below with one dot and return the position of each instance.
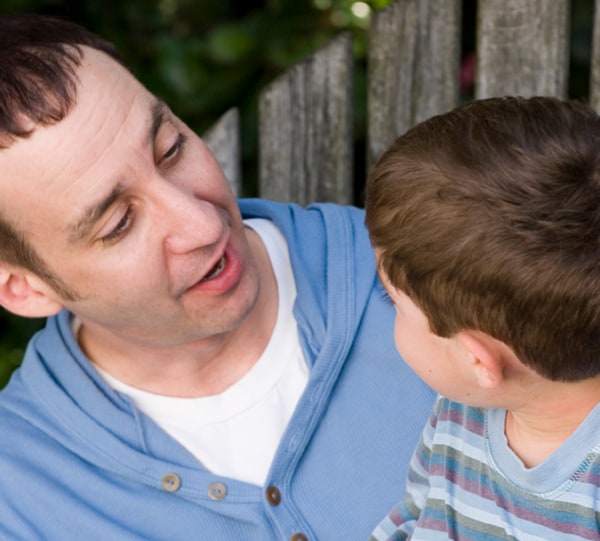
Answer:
(539, 426)
(201, 368)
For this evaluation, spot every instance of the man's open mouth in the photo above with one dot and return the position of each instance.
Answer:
(216, 270)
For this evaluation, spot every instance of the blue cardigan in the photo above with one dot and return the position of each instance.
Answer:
(79, 462)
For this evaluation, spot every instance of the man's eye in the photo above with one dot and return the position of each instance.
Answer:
(174, 150)
(121, 228)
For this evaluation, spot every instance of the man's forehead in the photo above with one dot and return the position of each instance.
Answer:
(112, 111)
(106, 92)
(91, 57)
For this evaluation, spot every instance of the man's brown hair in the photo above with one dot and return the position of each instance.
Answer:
(488, 217)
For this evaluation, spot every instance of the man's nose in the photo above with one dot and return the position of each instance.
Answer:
(191, 222)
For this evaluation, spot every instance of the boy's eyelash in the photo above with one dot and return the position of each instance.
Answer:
(385, 296)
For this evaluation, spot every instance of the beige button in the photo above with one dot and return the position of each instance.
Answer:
(217, 491)
(273, 495)
(171, 482)
(298, 537)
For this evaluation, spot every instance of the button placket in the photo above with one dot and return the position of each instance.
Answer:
(273, 497)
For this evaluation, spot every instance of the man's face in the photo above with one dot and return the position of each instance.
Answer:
(129, 208)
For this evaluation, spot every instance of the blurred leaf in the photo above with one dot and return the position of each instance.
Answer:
(231, 43)
(14, 335)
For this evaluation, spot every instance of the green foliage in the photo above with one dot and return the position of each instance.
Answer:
(14, 334)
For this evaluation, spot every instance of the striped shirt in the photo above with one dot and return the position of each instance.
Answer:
(466, 484)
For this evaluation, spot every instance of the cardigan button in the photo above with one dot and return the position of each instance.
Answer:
(298, 537)
(273, 495)
(171, 482)
(217, 491)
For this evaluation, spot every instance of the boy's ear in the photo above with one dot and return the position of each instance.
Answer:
(487, 359)
(25, 294)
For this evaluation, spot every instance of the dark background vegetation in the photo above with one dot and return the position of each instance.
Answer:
(205, 56)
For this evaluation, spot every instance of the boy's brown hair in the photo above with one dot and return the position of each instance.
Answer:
(488, 217)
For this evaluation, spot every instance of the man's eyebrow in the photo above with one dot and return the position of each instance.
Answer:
(81, 228)
(159, 110)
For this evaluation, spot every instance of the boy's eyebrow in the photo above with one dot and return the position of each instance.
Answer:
(81, 228)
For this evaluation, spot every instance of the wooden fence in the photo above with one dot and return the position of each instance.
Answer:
(305, 128)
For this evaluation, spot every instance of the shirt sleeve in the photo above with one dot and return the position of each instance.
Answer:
(400, 522)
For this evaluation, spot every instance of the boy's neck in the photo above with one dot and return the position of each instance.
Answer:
(539, 426)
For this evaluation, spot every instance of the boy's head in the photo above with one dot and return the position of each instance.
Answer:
(488, 218)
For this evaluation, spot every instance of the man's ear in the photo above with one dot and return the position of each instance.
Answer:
(25, 294)
(487, 359)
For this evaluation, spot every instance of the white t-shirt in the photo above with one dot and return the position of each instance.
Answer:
(236, 433)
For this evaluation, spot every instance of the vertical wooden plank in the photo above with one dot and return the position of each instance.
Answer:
(522, 48)
(413, 67)
(305, 129)
(223, 139)
(595, 60)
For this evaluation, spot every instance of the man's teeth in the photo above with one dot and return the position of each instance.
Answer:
(216, 270)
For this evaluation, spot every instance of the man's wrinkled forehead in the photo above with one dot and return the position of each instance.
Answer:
(88, 73)
(48, 95)
(53, 159)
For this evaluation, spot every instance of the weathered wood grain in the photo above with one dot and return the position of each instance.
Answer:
(223, 139)
(305, 129)
(306, 142)
(413, 67)
(522, 48)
